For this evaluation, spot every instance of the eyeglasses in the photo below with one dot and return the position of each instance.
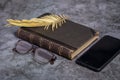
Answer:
(39, 55)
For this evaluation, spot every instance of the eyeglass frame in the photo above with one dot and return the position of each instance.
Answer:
(33, 49)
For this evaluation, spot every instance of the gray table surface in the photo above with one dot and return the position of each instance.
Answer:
(101, 15)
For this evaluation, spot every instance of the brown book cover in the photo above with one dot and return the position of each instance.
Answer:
(68, 40)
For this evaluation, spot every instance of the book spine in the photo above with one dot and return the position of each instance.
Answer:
(44, 43)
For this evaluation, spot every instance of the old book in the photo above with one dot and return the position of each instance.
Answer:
(68, 40)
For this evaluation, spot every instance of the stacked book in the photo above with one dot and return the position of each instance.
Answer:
(68, 40)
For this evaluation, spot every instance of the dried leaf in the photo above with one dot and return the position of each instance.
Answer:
(46, 21)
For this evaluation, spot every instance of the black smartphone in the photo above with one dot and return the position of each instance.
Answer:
(100, 54)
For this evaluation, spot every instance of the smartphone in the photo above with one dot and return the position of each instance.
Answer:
(100, 54)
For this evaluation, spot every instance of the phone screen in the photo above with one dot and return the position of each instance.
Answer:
(100, 54)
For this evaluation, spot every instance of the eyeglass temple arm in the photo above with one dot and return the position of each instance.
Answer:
(53, 59)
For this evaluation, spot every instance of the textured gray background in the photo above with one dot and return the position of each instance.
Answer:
(101, 15)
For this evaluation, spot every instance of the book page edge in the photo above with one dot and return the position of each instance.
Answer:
(84, 46)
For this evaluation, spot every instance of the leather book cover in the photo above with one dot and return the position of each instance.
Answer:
(68, 40)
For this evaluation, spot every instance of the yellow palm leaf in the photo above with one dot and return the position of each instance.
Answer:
(46, 21)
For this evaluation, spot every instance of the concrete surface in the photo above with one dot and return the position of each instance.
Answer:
(101, 15)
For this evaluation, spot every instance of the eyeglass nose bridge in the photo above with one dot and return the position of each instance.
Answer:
(34, 48)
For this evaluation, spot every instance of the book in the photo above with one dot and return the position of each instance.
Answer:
(68, 40)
